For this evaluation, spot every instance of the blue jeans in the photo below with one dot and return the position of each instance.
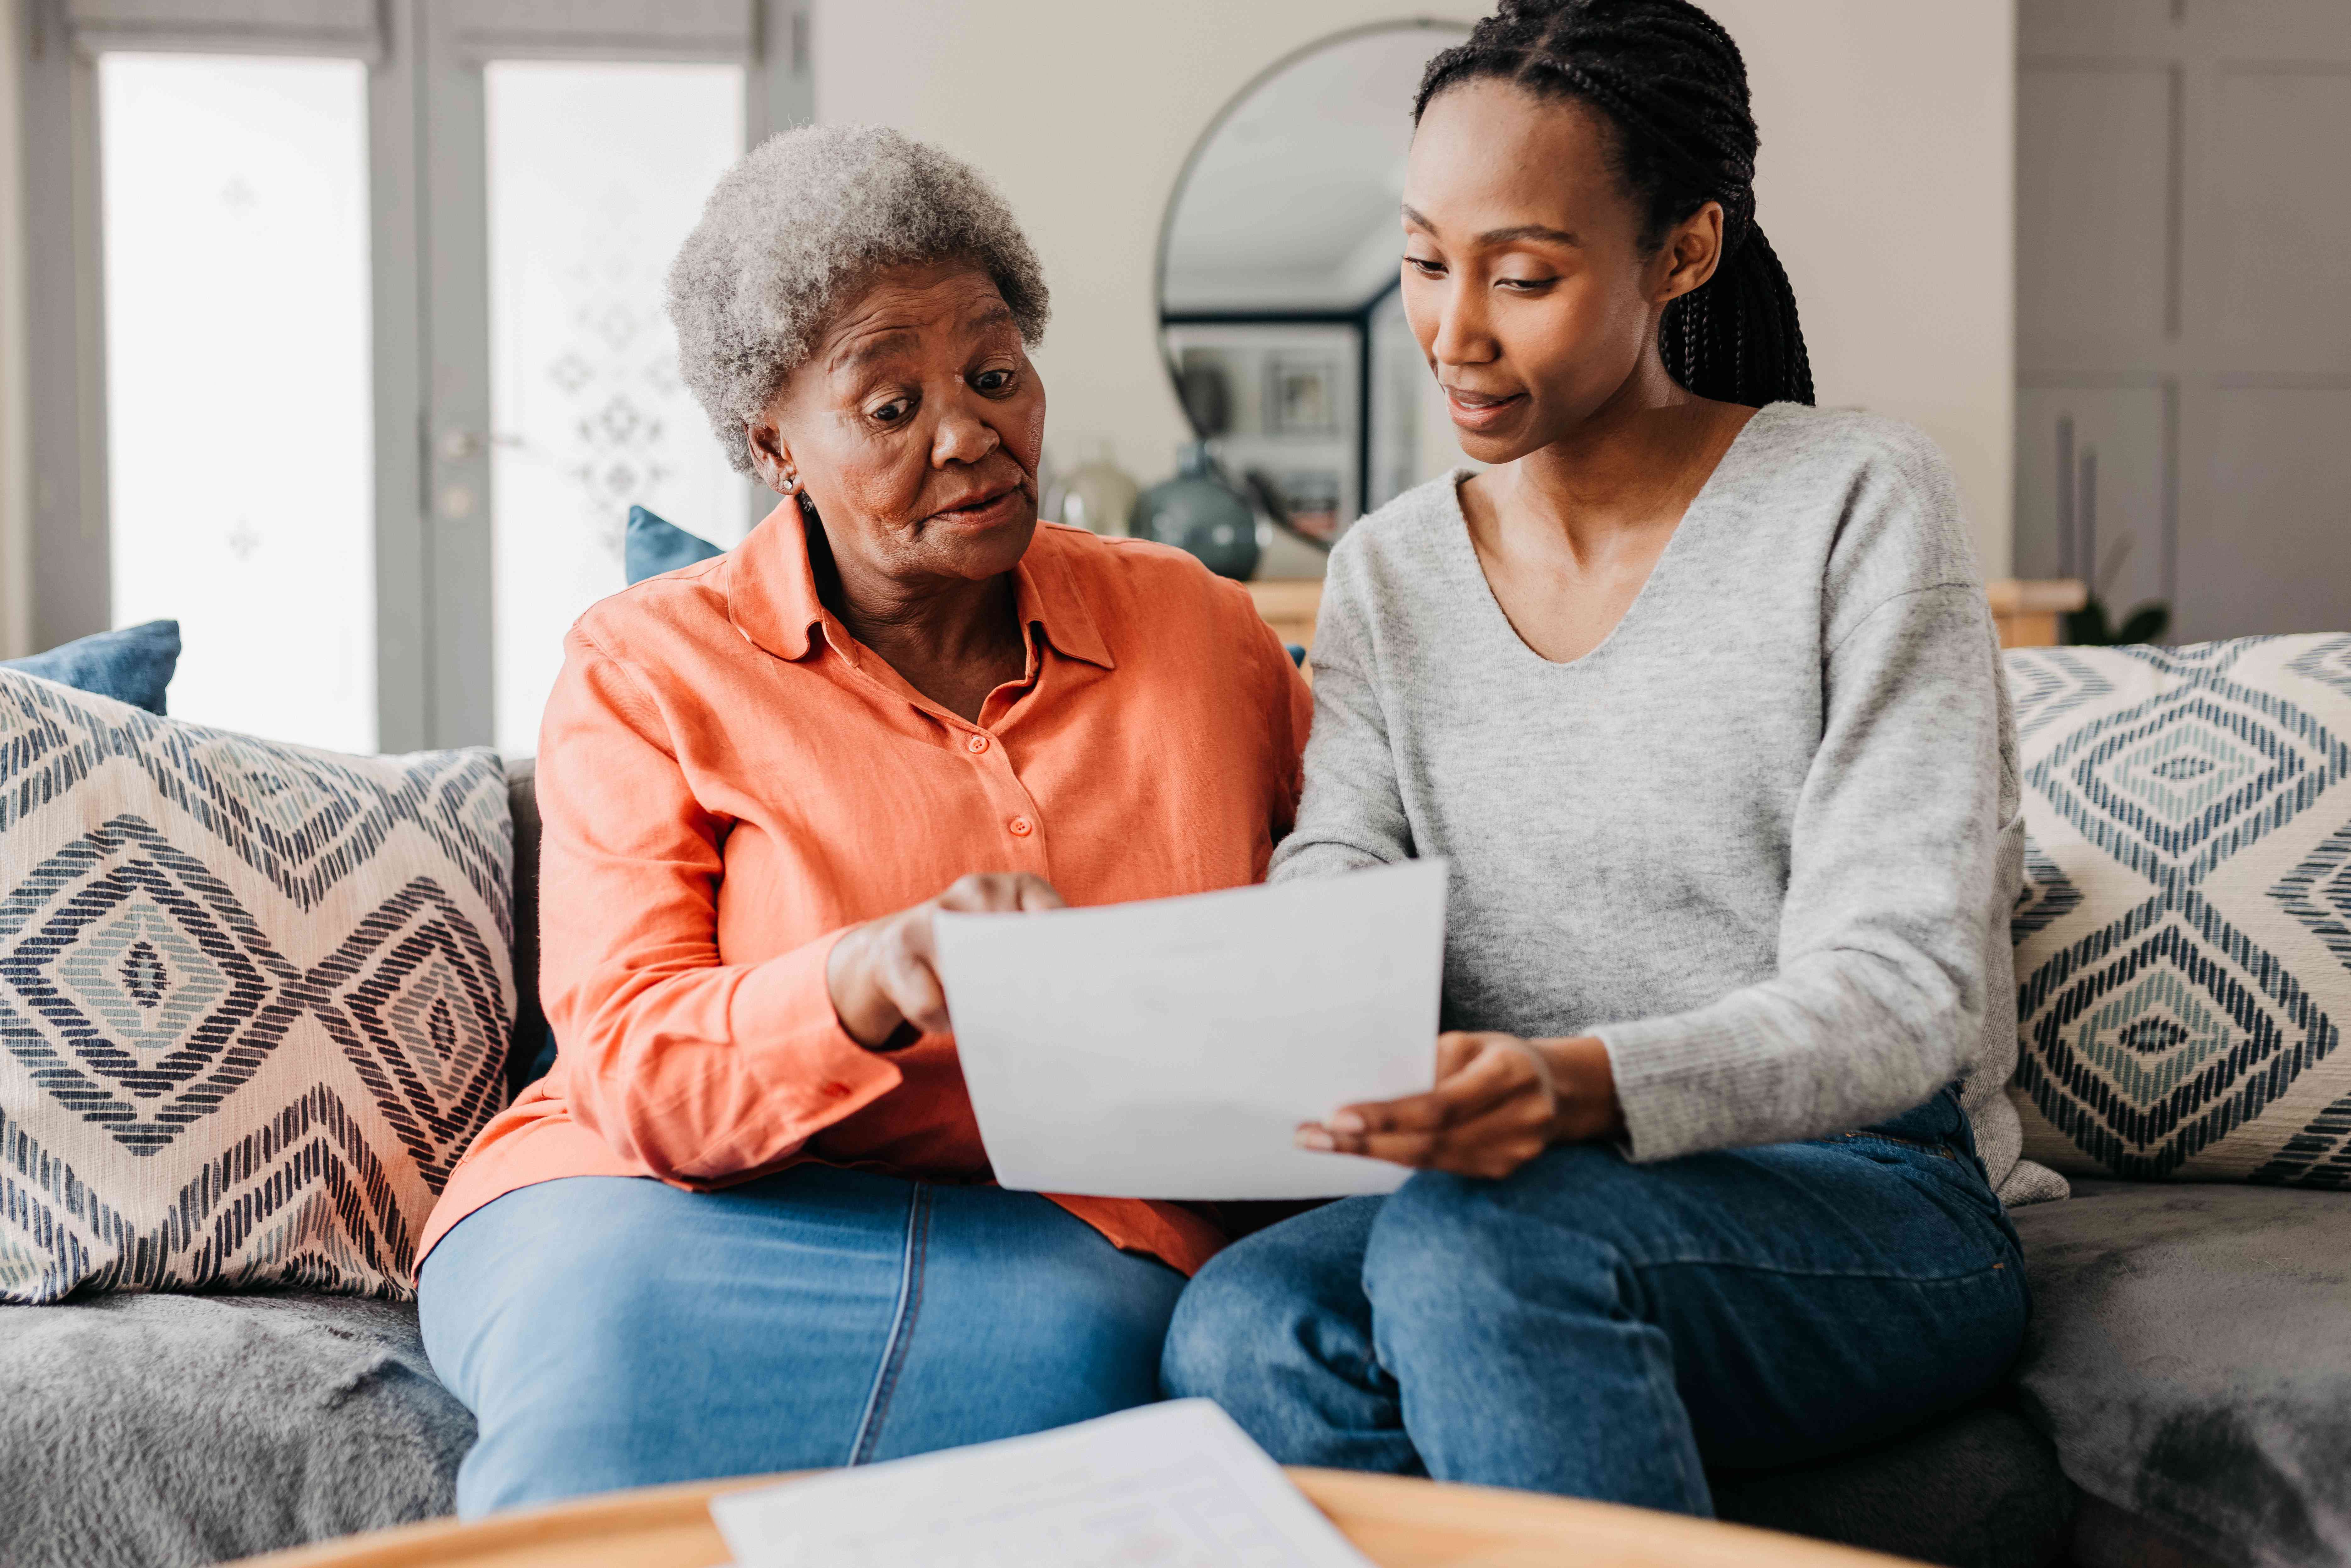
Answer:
(1600, 1329)
(611, 1331)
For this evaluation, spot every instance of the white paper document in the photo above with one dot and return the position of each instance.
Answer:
(1167, 1485)
(1170, 1049)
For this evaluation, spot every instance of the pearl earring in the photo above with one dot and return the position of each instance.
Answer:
(791, 483)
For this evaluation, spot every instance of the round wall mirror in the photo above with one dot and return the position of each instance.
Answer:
(1277, 271)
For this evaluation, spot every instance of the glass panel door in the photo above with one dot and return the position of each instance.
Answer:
(233, 204)
(596, 171)
(370, 358)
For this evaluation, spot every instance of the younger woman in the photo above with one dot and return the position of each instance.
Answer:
(1696, 689)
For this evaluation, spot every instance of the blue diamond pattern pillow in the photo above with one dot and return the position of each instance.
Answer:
(255, 999)
(2183, 941)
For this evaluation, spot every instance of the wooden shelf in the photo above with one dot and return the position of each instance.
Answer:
(1290, 608)
(2027, 610)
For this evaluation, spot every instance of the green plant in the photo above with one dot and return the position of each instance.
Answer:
(2090, 624)
(2093, 626)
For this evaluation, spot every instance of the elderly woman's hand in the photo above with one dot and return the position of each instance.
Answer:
(884, 975)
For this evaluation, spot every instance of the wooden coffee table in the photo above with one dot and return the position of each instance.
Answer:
(1397, 1523)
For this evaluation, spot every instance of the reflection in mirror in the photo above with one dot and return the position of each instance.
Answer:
(1278, 269)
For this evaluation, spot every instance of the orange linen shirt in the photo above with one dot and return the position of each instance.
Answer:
(729, 781)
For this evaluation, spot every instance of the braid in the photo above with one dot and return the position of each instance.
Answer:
(1674, 87)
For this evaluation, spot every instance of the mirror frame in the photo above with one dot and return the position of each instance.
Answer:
(1358, 318)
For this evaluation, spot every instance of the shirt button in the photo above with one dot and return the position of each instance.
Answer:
(976, 745)
(1021, 827)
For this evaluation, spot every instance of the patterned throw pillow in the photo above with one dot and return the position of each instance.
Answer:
(2183, 942)
(254, 999)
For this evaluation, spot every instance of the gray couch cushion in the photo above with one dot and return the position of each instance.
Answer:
(148, 1430)
(1979, 1489)
(2191, 1352)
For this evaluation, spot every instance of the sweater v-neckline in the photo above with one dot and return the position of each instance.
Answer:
(1466, 553)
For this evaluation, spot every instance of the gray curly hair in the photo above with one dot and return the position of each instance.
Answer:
(797, 227)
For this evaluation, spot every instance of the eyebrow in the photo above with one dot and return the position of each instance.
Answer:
(1509, 235)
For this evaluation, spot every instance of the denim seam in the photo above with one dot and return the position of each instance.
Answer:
(902, 1326)
(1879, 1274)
(1937, 1150)
(1668, 1399)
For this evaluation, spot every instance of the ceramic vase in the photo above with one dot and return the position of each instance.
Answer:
(1200, 511)
(1096, 494)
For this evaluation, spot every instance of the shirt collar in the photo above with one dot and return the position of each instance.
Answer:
(1052, 598)
(771, 593)
(770, 587)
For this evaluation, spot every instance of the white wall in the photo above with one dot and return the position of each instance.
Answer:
(15, 454)
(1887, 181)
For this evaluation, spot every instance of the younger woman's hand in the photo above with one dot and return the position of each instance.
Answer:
(883, 975)
(1498, 1102)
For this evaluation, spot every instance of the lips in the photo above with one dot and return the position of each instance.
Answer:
(1477, 410)
(982, 506)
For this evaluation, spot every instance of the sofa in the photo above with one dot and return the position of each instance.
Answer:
(2184, 1397)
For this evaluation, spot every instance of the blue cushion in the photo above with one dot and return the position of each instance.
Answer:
(132, 665)
(655, 544)
(542, 1061)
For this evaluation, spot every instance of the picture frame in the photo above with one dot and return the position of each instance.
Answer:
(1301, 394)
(1310, 496)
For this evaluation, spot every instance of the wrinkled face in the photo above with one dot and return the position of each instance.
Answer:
(914, 427)
(1524, 275)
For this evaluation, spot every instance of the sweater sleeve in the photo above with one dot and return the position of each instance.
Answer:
(696, 1068)
(1351, 812)
(1880, 994)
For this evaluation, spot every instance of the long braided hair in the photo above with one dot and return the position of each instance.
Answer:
(1674, 88)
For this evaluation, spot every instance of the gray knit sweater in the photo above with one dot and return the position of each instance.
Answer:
(1763, 840)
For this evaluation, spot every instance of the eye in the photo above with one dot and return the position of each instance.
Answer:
(995, 380)
(1424, 266)
(1525, 285)
(895, 411)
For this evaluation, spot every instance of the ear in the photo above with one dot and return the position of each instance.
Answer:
(1689, 255)
(771, 458)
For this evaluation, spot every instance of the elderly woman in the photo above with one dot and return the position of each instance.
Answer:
(745, 1224)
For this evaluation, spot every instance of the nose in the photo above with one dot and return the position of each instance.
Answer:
(964, 437)
(1464, 334)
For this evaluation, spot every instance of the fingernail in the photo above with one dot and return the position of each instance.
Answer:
(1314, 1138)
(1347, 1122)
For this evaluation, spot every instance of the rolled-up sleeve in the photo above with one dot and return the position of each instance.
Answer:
(698, 1069)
